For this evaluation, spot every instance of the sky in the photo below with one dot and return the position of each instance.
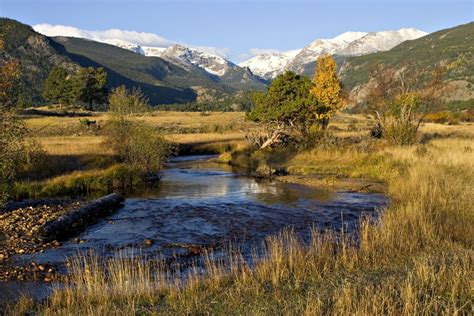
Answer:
(239, 29)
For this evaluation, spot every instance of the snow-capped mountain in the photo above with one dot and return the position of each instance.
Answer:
(153, 51)
(345, 44)
(189, 57)
(322, 46)
(126, 45)
(181, 55)
(381, 41)
(269, 65)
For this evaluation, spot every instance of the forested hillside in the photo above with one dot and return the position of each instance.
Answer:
(451, 48)
(161, 81)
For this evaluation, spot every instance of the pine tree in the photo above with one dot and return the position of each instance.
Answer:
(327, 90)
(91, 82)
(58, 87)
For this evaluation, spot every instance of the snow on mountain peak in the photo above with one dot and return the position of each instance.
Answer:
(189, 57)
(349, 36)
(268, 65)
(126, 45)
(348, 43)
(381, 41)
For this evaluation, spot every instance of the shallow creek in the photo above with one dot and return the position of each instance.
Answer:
(199, 202)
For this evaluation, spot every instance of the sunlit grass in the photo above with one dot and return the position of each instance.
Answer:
(417, 259)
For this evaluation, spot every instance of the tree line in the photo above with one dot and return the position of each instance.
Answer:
(86, 86)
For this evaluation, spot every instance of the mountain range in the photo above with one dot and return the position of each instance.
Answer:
(176, 73)
(181, 75)
(347, 44)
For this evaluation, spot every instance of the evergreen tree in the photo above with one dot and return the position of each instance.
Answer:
(58, 87)
(286, 104)
(91, 82)
(287, 100)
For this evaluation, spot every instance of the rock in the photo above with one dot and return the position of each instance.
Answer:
(61, 227)
(195, 250)
(149, 242)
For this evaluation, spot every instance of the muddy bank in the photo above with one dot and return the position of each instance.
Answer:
(336, 183)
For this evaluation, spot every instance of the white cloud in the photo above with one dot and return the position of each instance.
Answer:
(259, 51)
(107, 36)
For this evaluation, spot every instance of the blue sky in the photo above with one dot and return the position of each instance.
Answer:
(236, 27)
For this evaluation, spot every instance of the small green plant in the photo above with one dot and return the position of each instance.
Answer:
(138, 145)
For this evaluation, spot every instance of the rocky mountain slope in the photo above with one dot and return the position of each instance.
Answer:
(452, 48)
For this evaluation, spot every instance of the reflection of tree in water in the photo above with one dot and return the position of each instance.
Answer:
(286, 193)
(202, 179)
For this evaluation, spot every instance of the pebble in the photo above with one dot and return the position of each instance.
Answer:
(149, 242)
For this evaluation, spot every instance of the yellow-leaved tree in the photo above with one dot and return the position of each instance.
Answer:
(327, 90)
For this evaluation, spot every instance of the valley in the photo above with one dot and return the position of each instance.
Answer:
(147, 169)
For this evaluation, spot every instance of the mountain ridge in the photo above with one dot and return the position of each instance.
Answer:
(345, 44)
(162, 81)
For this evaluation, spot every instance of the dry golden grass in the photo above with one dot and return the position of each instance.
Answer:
(58, 134)
(417, 259)
(73, 145)
(462, 129)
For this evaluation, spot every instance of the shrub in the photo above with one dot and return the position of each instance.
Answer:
(400, 131)
(16, 153)
(442, 117)
(140, 146)
(467, 116)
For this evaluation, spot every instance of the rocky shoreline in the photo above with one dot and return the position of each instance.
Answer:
(20, 231)
(32, 229)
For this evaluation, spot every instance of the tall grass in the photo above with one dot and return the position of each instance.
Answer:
(88, 182)
(416, 259)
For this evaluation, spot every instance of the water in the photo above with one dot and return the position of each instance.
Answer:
(204, 203)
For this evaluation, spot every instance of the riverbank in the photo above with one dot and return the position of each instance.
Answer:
(417, 259)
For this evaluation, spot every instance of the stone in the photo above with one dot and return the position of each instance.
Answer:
(149, 242)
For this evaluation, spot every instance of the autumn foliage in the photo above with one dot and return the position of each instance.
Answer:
(327, 90)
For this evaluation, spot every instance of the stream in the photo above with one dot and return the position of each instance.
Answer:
(200, 202)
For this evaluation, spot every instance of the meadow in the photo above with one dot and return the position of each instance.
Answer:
(417, 258)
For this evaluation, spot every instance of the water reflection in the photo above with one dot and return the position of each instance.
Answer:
(200, 202)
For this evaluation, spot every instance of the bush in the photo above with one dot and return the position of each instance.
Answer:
(442, 117)
(467, 116)
(16, 153)
(140, 146)
(399, 131)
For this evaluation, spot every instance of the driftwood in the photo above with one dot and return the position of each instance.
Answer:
(75, 220)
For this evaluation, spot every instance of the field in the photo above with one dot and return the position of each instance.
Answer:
(417, 259)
